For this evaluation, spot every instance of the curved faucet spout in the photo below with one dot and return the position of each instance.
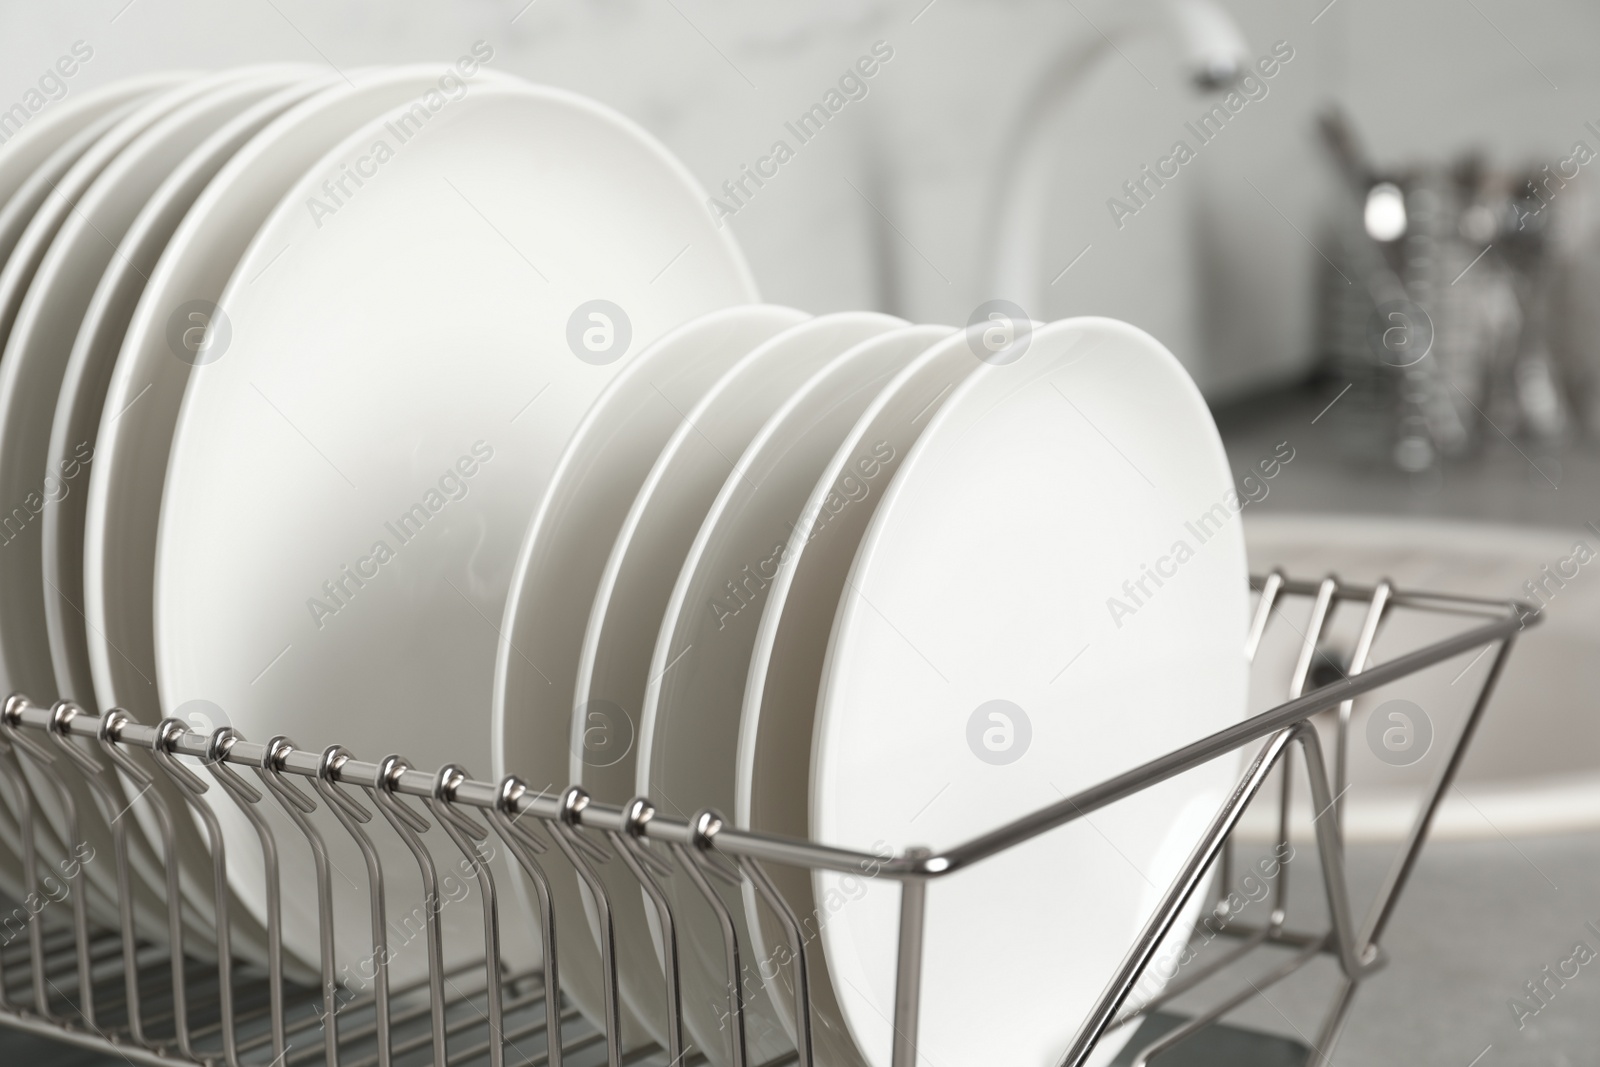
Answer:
(1214, 52)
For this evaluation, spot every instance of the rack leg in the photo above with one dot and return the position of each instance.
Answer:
(1333, 1025)
(908, 967)
(1383, 905)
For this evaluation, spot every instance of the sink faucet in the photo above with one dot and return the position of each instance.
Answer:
(1214, 53)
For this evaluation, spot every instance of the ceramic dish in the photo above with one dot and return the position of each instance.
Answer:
(27, 149)
(1003, 643)
(637, 581)
(688, 737)
(71, 238)
(161, 154)
(563, 554)
(33, 159)
(140, 410)
(83, 289)
(205, 133)
(352, 472)
(780, 695)
(148, 379)
(33, 162)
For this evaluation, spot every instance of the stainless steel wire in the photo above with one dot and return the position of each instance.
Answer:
(167, 1001)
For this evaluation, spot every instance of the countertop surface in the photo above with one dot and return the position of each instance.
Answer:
(1478, 920)
(1503, 481)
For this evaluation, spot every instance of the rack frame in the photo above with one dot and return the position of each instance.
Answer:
(225, 1013)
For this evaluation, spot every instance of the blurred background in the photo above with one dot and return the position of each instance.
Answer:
(987, 158)
(896, 203)
(1379, 247)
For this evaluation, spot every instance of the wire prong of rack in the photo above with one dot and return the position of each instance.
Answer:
(369, 1029)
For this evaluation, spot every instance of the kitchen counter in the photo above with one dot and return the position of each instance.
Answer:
(1477, 921)
(1504, 483)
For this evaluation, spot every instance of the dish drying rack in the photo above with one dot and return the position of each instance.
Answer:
(111, 991)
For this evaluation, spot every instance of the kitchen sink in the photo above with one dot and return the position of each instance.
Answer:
(1534, 765)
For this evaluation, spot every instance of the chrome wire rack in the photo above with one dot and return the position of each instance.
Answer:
(139, 999)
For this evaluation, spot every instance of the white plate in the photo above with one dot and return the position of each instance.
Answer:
(398, 386)
(689, 733)
(33, 161)
(780, 696)
(988, 574)
(65, 296)
(36, 157)
(205, 132)
(77, 228)
(141, 410)
(161, 157)
(147, 383)
(563, 554)
(633, 590)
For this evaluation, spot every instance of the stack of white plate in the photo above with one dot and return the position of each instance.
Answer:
(291, 361)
